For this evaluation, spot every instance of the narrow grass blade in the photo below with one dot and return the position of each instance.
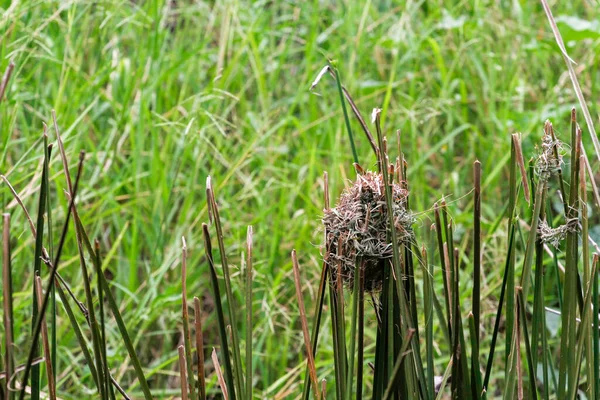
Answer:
(182, 373)
(38, 320)
(7, 314)
(316, 325)
(510, 278)
(6, 79)
(220, 316)
(186, 322)
(45, 341)
(359, 267)
(37, 267)
(249, 370)
(567, 369)
(396, 371)
(582, 334)
(428, 299)
(531, 367)
(476, 384)
(309, 354)
(114, 308)
(219, 372)
(444, 382)
(53, 342)
(214, 211)
(587, 279)
(338, 80)
(595, 376)
(91, 314)
(199, 348)
(107, 376)
(361, 334)
(490, 360)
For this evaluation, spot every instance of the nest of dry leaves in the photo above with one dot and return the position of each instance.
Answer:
(357, 229)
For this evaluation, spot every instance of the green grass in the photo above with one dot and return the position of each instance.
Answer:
(160, 98)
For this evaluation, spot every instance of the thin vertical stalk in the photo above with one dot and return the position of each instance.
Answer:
(340, 320)
(596, 301)
(38, 320)
(345, 111)
(114, 308)
(359, 266)
(582, 333)
(8, 304)
(37, 266)
(309, 355)
(361, 333)
(567, 368)
(186, 322)
(107, 377)
(249, 371)
(476, 384)
(490, 361)
(6, 79)
(510, 284)
(320, 297)
(214, 212)
(396, 370)
(531, 367)
(220, 316)
(45, 341)
(440, 241)
(53, 342)
(182, 373)
(475, 371)
(199, 348)
(428, 299)
(222, 383)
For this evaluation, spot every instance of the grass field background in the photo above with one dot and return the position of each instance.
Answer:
(162, 94)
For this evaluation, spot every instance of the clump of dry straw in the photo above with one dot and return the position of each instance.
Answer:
(357, 229)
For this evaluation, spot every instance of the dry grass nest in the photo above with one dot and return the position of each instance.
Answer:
(357, 229)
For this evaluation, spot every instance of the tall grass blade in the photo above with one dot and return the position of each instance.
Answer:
(230, 387)
(320, 299)
(510, 279)
(309, 354)
(107, 376)
(338, 81)
(186, 322)
(595, 376)
(396, 371)
(45, 341)
(505, 276)
(567, 368)
(531, 367)
(359, 267)
(199, 348)
(7, 314)
(249, 271)
(53, 342)
(476, 384)
(219, 372)
(6, 79)
(114, 308)
(38, 319)
(182, 373)
(37, 269)
(214, 211)
(428, 299)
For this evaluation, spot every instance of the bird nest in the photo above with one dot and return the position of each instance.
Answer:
(357, 229)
